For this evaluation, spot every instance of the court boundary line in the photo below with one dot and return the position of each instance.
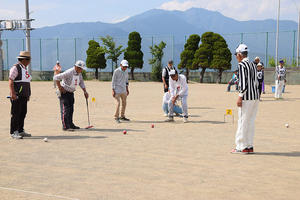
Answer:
(38, 193)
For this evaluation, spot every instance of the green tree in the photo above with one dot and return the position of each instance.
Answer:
(272, 62)
(95, 57)
(133, 53)
(204, 55)
(157, 52)
(187, 55)
(221, 56)
(112, 51)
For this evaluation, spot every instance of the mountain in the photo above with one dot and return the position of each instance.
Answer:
(155, 25)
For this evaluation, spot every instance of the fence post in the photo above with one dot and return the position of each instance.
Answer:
(23, 42)
(294, 46)
(41, 55)
(7, 60)
(152, 45)
(173, 48)
(75, 49)
(267, 46)
(57, 50)
(242, 38)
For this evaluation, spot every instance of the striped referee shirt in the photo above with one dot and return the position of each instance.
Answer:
(248, 83)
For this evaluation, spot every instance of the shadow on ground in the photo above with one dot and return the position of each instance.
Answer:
(201, 108)
(107, 130)
(65, 137)
(287, 154)
(207, 122)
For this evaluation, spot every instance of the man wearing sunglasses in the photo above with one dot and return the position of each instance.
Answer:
(19, 85)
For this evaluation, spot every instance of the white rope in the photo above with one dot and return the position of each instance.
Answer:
(38, 193)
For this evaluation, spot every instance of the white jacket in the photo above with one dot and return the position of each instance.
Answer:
(179, 87)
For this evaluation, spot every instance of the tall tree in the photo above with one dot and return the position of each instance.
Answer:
(221, 56)
(112, 51)
(204, 55)
(133, 53)
(157, 52)
(95, 57)
(187, 55)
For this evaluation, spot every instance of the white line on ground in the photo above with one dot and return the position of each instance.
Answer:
(38, 193)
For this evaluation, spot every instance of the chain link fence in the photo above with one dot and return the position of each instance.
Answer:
(46, 51)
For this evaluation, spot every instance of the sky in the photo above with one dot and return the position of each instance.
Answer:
(53, 12)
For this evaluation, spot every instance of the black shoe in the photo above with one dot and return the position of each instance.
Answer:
(68, 129)
(124, 119)
(75, 127)
(250, 150)
(24, 134)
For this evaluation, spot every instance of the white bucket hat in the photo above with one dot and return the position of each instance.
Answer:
(81, 64)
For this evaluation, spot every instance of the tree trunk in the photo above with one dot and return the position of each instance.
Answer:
(202, 74)
(96, 74)
(220, 71)
(132, 73)
(112, 68)
(187, 75)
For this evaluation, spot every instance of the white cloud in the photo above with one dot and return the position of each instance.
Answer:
(240, 9)
(10, 14)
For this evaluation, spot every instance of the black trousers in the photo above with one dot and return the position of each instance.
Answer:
(67, 109)
(166, 90)
(260, 88)
(18, 114)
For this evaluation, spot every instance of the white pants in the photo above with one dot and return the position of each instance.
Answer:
(246, 124)
(278, 88)
(183, 104)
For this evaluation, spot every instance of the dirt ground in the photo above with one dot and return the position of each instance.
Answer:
(170, 161)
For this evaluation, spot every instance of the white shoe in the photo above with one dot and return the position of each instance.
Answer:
(16, 135)
(165, 115)
(170, 119)
(185, 120)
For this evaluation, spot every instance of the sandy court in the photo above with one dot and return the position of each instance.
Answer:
(171, 161)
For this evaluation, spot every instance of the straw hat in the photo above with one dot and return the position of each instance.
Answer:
(24, 54)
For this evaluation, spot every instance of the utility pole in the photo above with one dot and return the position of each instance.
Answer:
(298, 40)
(11, 25)
(28, 28)
(277, 34)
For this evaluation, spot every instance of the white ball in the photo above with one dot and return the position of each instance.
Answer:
(45, 139)
(287, 125)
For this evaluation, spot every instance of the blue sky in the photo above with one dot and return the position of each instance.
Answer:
(48, 13)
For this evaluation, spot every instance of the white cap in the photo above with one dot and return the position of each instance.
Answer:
(80, 63)
(172, 72)
(259, 64)
(256, 58)
(241, 48)
(124, 63)
(57, 62)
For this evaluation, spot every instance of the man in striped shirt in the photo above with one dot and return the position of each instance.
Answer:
(247, 101)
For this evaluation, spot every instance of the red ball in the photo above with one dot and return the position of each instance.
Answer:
(152, 126)
(124, 132)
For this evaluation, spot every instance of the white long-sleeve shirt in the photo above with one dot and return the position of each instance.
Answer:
(67, 79)
(120, 81)
(179, 87)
